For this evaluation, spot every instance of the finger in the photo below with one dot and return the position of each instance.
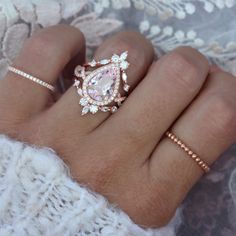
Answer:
(140, 57)
(158, 100)
(43, 55)
(208, 126)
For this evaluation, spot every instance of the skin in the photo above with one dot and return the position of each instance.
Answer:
(124, 156)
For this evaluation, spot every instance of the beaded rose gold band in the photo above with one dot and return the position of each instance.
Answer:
(32, 78)
(190, 153)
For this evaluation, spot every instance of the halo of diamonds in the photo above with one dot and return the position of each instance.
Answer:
(117, 64)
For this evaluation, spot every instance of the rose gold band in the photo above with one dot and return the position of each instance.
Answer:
(190, 153)
(31, 77)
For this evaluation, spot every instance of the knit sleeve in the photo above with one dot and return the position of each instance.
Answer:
(38, 197)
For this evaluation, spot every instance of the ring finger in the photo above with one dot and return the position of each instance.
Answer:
(43, 55)
(208, 126)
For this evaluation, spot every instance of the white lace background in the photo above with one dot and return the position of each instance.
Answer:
(208, 25)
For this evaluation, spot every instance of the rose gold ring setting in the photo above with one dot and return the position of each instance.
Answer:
(204, 166)
(98, 83)
(31, 77)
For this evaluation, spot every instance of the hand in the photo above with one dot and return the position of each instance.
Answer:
(124, 156)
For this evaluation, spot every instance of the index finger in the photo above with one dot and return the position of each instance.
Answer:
(44, 55)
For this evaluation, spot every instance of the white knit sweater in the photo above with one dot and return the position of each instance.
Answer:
(38, 197)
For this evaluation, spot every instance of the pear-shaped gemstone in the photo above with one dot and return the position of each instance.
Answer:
(102, 83)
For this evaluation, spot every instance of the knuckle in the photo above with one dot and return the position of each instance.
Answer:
(132, 41)
(221, 114)
(46, 42)
(135, 138)
(123, 44)
(129, 40)
(224, 78)
(190, 52)
(41, 45)
(183, 71)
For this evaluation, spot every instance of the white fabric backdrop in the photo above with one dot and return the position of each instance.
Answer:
(208, 25)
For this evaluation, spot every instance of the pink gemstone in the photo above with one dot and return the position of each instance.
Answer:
(101, 85)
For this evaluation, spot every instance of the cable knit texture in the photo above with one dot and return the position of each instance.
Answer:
(38, 197)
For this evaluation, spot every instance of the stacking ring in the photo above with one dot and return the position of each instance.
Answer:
(204, 166)
(98, 83)
(31, 77)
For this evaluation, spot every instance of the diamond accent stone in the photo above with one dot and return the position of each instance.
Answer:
(85, 110)
(92, 63)
(104, 61)
(79, 71)
(115, 58)
(124, 65)
(123, 56)
(76, 83)
(105, 109)
(83, 102)
(113, 109)
(126, 87)
(101, 86)
(79, 91)
(124, 77)
(93, 109)
(119, 100)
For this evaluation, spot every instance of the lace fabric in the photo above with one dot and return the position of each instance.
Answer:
(208, 25)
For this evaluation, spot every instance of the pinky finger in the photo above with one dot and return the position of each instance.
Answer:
(208, 126)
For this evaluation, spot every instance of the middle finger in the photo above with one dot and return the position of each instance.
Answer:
(169, 87)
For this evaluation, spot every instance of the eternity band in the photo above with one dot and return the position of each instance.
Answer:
(32, 78)
(204, 166)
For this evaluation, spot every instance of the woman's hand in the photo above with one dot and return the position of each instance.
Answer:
(124, 156)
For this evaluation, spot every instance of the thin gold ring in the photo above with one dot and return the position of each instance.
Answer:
(204, 166)
(31, 77)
